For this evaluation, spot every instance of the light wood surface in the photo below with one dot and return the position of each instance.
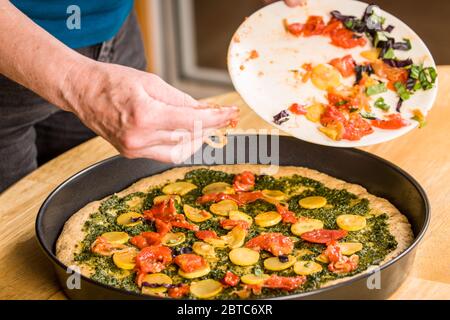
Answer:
(25, 272)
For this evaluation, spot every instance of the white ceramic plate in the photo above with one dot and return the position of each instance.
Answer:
(268, 86)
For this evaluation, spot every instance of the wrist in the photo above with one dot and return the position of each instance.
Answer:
(78, 80)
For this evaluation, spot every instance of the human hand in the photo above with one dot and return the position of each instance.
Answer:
(139, 114)
(290, 3)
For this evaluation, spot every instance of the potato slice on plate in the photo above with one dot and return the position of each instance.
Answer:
(125, 259)
(305, 225)
(218, 187)
(180, 188)
(159, 199)
(243, 256)
(130, 219)
(116, 237)
(349, 248)
(155, 278)
(195, 274)
(223, 208)
(254, 279)
(240, 216)
(275, 264)
(305, 268)
(313, 202)
(351, 222)
(203, 249)
(268, 219)
(196, 215)
(172, 239)
(206, 289)
(236, 237)
(274, 196)
(324, 76)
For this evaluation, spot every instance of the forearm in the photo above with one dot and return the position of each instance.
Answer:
(34, 58)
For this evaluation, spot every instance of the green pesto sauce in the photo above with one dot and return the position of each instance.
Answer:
(376, 239)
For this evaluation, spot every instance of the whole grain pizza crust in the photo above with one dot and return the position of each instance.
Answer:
(69, 242)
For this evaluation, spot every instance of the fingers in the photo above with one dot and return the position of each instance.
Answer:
(191, 118)
(169, 153)
(162, 91)
(295, 3)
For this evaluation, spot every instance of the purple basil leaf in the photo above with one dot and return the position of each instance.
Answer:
(281, 117)
(398, 63)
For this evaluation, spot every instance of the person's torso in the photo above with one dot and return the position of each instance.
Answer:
(77, 23)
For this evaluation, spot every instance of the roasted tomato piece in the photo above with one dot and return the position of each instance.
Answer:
(190, 262)
(179, 292)
(274, 242)
(284, 283)
(229, 224)
(295, 28)
(206, 234)
(230, 279)
(332, 115)
(332, 26)
(162, 227)
(323, 236)
(313, 26)
(287, 216)
(338, 262)
(153, 259)
(166, 212)
(356, 127)
(103, 247)
(146, 239)
(244, 181)
(392, 74)
(185, 225)
(297, 109)
(346, 265)
(345, 65)
(394, 121)
(346, 39)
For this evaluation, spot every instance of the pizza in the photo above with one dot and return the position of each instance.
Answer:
(231, 231)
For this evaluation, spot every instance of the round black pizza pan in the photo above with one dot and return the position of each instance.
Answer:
(379, 176)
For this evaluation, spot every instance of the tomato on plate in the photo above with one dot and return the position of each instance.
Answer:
(153, 259)
(190, 262)
(274, 242)
(244, 181)
(206, 234)
(230, 279)
(297, 109)
(295, 28)
(323, 236)
(284, 283)
(168, 217)
(333, 252)
(356, 127)
(346, 39)
(392, 74)
(345, 65)
(314, 26)
(394, 121)
(179, 292)
(287, 216)
(146, 239)
(229, 224)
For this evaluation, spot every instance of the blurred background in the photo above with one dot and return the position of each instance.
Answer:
(187, 40)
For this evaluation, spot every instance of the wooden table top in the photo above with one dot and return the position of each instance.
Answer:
(25, 272)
